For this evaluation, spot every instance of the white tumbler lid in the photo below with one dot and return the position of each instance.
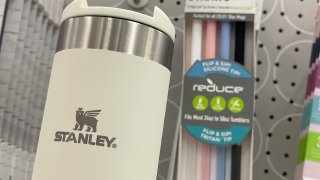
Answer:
(159, 20)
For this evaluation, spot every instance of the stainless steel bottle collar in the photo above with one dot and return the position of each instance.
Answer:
(120, 35)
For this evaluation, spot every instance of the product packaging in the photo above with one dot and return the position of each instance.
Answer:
(107, 96)
(308, 163)
(216, 134)
(309, 148)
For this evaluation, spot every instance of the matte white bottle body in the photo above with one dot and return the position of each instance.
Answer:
(131, 93)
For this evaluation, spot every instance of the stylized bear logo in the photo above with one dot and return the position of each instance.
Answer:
(87, 118)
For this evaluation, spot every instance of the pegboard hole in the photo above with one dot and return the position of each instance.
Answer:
(295, 66)
(269, 134)
(296, 49)
(271, 117)
(268, 153)
(273, 99)
(280, 30)
(293, 84)
(277, 64)
(290, 119)
(286, 155)
(291, 101)
(265, 12)
(263, 28)
(284, 173)
(178, 3)
(275, 81)
(256, 97)
(161, 1)
(259, 62)
(257, 79)
(266, 171)
(288, 137)
(279, 47)
(282, 13)
(298, 32)
(261, 45)
(176, 19)
(300, 15)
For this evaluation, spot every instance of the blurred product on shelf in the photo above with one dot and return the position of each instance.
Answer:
(309, 149)
(28, 44)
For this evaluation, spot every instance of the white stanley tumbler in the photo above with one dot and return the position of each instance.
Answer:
(107, 97)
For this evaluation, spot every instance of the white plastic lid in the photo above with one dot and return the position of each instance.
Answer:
(159, 20)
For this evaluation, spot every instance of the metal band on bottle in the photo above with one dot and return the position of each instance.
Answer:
(120, 35)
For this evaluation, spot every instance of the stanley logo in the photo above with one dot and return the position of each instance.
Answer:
(89, 120)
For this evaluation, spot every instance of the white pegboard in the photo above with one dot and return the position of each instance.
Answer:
(284, 49)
